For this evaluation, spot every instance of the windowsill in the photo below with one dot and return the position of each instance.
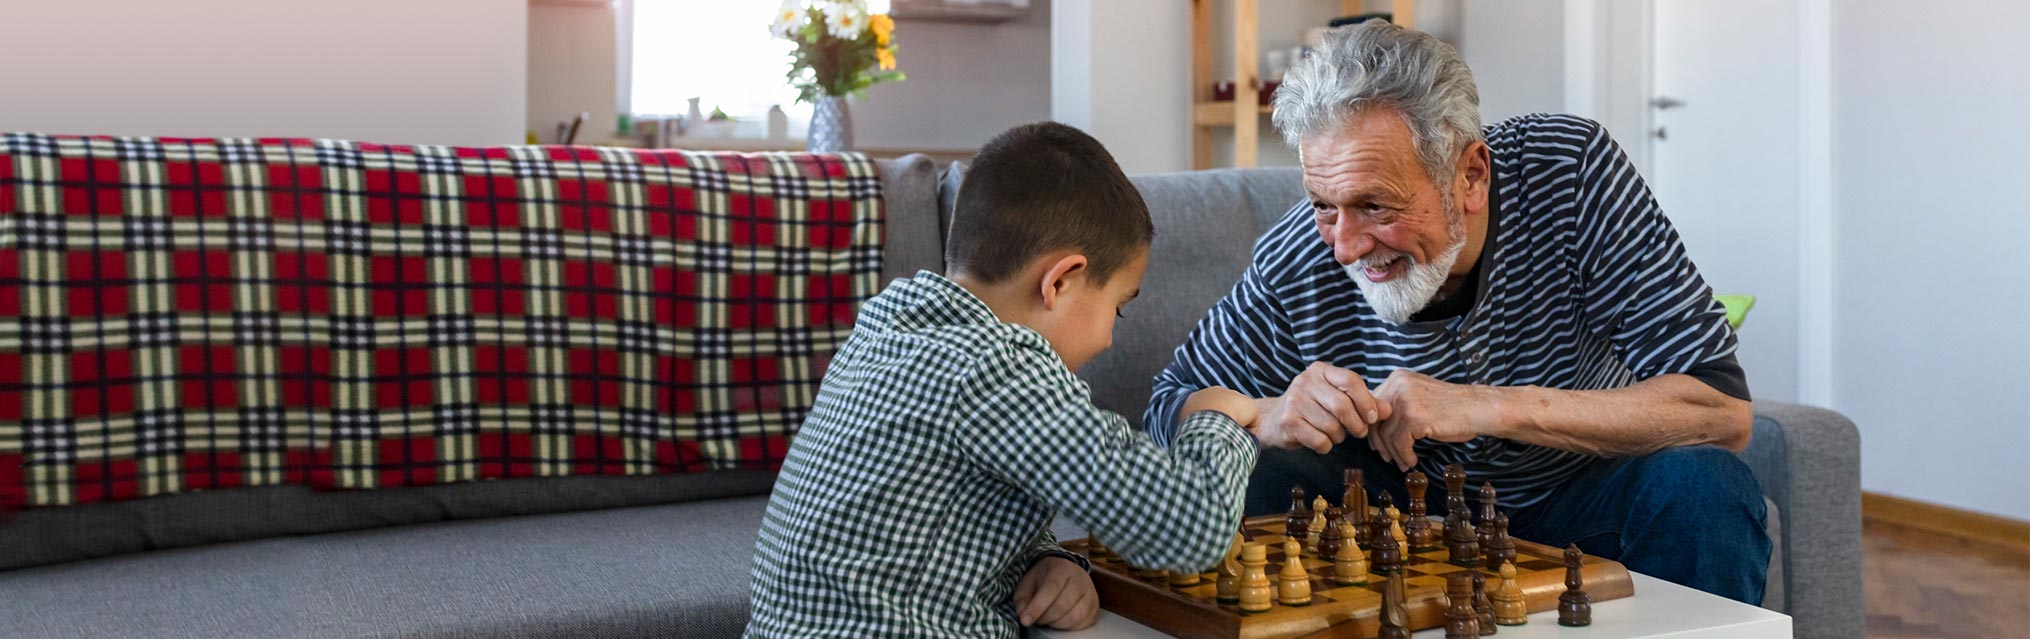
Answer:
(759, 145)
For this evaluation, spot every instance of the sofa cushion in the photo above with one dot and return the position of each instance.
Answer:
(52, 535)
(661, 571)
(215, 313)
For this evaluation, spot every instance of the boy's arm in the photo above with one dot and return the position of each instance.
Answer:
(1045, 545)
(1034, 426)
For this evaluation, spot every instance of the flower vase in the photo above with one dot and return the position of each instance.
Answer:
(831, 126)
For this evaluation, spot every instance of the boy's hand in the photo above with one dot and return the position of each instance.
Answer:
(1057, 593)
(1239, 407)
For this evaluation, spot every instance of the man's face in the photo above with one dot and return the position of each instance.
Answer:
(1395, 232)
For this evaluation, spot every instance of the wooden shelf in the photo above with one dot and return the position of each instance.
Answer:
(1219, 114)
(1207, 114)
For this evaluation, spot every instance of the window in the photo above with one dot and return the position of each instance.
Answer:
(717, 50)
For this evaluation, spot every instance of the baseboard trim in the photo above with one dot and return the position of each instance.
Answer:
(1972, 527)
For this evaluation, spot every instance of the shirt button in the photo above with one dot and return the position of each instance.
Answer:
(1477, 358)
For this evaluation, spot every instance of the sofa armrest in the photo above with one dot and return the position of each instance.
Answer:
(1808, 461)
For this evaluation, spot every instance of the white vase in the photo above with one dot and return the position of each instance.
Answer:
(831, 126)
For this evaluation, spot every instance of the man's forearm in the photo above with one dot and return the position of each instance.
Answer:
(1658, 413)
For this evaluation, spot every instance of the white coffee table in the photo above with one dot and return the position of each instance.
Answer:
(1658, 609)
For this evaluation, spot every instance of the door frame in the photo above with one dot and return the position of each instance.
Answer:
(1609, 68)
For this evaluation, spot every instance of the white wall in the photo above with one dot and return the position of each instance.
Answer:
(1932, 302)
(1121, 71)
(1516, 51)
(437, 72)
(967, 80)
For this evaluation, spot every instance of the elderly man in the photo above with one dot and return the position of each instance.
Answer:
(1510, 299)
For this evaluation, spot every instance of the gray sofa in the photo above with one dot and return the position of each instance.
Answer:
(668, 556)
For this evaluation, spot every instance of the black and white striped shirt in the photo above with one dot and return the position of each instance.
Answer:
(1583, 285)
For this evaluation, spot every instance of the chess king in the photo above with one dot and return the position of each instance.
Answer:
(1509, 298)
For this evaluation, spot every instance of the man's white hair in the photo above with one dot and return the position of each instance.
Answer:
(1377, 64)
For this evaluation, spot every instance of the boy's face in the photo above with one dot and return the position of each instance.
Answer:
(1081, 323)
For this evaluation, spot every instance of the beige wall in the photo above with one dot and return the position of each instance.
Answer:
(435, 71)
(967, 80)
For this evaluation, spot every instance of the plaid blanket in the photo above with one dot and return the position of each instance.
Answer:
(190, 314)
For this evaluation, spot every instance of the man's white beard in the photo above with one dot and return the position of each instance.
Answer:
(1396, 300)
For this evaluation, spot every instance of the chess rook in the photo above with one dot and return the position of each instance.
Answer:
(1575, 607)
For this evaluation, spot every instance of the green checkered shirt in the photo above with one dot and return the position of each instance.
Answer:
(942, 443)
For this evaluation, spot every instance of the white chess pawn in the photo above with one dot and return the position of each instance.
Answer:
(1294, 587)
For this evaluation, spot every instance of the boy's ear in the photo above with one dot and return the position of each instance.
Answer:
(1058, 277)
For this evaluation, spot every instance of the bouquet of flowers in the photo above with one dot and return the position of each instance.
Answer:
(840, 49)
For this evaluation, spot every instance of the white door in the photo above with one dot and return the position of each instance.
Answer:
(1725, 162)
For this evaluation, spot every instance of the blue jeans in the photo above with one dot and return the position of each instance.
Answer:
(1692, 516)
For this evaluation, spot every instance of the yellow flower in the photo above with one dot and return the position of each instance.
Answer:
(887, 57)
(883, 26)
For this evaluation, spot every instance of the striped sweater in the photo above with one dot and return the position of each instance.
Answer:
(1583, 285)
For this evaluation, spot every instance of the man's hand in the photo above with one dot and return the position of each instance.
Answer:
(1057, 593)
(1425, 408)
(1323, 406)
(1235, 405)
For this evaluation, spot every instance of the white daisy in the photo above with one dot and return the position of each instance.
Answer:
(846, 20)
(788, 19)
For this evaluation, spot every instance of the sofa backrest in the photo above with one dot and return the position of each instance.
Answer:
(1206, 226)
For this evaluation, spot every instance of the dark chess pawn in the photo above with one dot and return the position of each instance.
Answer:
(1461, 622)
(1395, 613)
(1482, 607)
(1417, 520)
(1388, 556)
(1329, 539)
(1379, 526)
(1298, 526)
(1575, 607)
(1501, 549)
(1461, 547)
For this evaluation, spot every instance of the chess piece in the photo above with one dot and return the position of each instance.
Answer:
(1256, 593)
(1096, 551)
(1396, 530)
(1329, 538)
(1575, 607)
(1395, 613)
(1349, 565)
(1460, 620)
(1509, 607)
(1184, 579)
(1294, 588)
(1455, 490)
(1418, 518)
(1355, 503)
(1298, 525)
(1227, 587)
(1318, 523)
(1482, 608)
(1388, 554)
(1462, 548)
(1483, 531)
(1379, 525)
(1501, 549)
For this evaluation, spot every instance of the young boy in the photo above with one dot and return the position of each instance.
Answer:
(917, 499)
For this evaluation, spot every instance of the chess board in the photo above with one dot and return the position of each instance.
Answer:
(1335, 611)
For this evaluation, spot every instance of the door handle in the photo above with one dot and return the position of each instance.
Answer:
(1664, 103)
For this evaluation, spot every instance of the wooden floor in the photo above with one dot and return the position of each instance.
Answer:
(1921, 584)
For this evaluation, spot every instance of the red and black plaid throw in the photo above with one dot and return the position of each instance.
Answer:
(188, 314)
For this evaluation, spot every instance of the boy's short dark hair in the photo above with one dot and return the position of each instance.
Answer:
(1045, 187)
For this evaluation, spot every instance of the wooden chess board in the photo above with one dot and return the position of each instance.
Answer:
(1335, 611)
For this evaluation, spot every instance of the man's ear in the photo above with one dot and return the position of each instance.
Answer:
(1471, 177)
(1058, 277)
